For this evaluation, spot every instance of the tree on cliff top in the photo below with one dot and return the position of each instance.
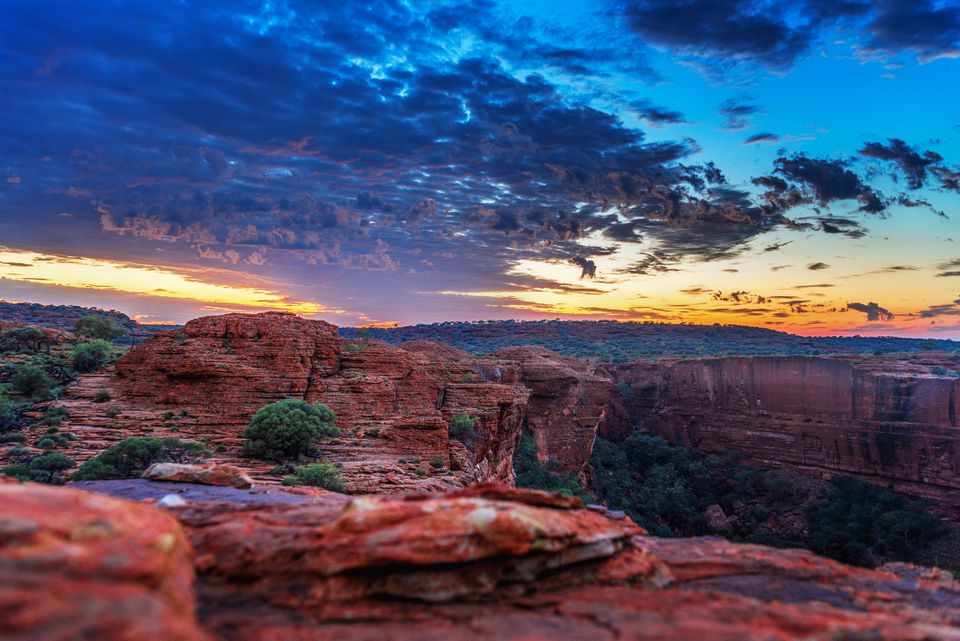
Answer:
(288, 429)
(96, 327)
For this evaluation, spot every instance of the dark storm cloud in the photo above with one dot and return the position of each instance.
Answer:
(722, 33)
(873, 311)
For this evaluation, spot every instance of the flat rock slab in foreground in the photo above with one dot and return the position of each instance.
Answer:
(485, 562)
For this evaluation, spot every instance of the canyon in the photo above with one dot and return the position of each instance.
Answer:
(888, 419)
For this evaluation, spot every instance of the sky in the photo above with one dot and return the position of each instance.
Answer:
(790, 165)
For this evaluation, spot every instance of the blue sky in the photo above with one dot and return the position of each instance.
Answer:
(789, 165)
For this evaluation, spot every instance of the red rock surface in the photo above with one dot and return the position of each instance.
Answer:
(888, 420)
(77, 565)
(224, 475)
(394, 405)
(484, 562)
(568, 400)
(493, 562)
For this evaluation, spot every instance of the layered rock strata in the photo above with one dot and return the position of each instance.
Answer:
(890, 422)
(488, 561)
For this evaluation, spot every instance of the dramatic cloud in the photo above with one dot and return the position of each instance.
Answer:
(588, 268)
(873, 311)
(723, 33)
(913, 165)
(762, 138)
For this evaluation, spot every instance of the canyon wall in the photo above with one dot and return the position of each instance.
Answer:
(888, 422)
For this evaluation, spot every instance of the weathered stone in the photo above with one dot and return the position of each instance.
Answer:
(77, 565)
(226, 475)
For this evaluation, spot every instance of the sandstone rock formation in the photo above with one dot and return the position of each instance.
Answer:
(568, 401)
(483, 562)
(77, 565)
(888, 420)
(394, 405)
(225, 475)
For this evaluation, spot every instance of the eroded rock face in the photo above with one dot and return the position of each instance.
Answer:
(394, 405)
(568, 401)
(77, 565)
(888, 422)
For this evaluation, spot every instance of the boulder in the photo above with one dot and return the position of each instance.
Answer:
(78, 565)
(226, 475)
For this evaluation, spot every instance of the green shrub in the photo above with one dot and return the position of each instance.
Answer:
(130, 457)
(89, 357)
(45, 468)
(373, 432)
(437, 462)
(534, 473)
(288, 429)
(112, 412)
(12, 437)
(97, 327)
(321, 474)
(463, 428)
(103, 396)
(19, 339)
(8, 415)
(55, 415)
(30, 380)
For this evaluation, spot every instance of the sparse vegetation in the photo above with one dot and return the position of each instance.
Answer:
(534, 473)
(89, 357)
(130, 457)
(103, 396)
(463, 428)
(288, 429)
(323, 474)
(97, 327)
(31, 381)
(44, 468)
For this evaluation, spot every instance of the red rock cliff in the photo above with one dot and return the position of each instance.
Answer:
(892, 423)
(207, 380)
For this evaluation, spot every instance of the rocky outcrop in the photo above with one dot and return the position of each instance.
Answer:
(568, 401)
(394, 405)
(224, 475)
(487, 561)
(77, 565)
(888, 420)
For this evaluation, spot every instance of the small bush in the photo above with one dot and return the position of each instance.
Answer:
(463, 428)
(45, 468)
(288, 429)
(13, 437)
(130, 457)
(437, 462)
(321, 474)
(89, 357)
(103, 396)
(373, 432)
(112, 412)
(8, 415)
(55, 415)
(30, 380)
